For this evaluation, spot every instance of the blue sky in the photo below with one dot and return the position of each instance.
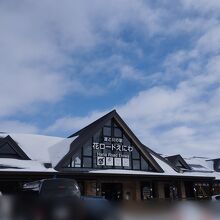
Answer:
(63, 64)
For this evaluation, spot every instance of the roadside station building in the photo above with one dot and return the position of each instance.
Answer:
(106, 159)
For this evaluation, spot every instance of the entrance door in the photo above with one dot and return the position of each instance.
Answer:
(170, 191)
(112, 191)
(146, 191)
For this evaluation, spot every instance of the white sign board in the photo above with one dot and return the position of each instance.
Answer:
(109, 161)
(125, 162)
(101, 161)
(117, 162)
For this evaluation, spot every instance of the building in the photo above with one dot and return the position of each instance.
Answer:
(107, 159)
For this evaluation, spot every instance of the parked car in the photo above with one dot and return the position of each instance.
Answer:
(50, 199)
(53, 188)
(216, 198)
(99, 208)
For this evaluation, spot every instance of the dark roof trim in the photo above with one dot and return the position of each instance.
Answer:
(161, 158)
(175, 158)
(15, 147)
(87, 132)
(213, 159)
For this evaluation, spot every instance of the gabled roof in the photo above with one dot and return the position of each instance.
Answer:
(33, 146)
(199, 164)
(214, 163)
(14, 146)
(84, 134)
(162, 159)
(174, 159)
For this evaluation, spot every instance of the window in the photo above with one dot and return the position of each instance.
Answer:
(117, 132)
(110, 148)
(98, 136)
(76, 160)
(136, 164)
(135, 154)
(107, 131)
(144, 164)
(87, 149)
(126, 141)
(87, 162)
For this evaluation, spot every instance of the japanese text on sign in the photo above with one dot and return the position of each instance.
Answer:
(113, 147)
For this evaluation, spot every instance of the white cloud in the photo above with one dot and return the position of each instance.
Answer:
(40, 44)
(184, 119)
(72, 124)
(209, 42)
(9, 126)
(129, 72)
(40, 41)
(202, 5)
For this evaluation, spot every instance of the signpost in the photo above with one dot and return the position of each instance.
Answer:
(117, 157)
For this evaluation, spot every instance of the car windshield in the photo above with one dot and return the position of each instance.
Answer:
(217, 198)
(59, 187)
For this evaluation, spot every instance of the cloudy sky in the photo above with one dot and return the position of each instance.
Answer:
(65, 63)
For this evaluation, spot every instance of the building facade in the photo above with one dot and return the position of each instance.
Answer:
(107, 159)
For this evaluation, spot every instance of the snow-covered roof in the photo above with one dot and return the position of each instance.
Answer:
(217, 175)
(47, 149)
(199, 164)
(146, 173)
(39, 148)
(35, 146)
(7, 164)
(59, 150)
(168, 170)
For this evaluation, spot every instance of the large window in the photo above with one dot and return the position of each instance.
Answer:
(110, 148)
